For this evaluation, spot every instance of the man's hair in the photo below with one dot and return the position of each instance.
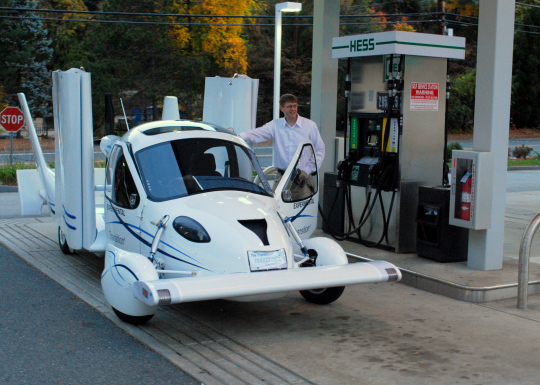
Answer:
(286, 99)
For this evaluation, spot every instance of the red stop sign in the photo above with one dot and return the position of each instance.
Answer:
(11, 119)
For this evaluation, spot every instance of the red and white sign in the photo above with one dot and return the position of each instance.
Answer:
(424, 97)
(11, 119)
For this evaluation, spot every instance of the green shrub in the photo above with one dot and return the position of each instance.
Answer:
(8, 173)
(521, 152)
(452, 146)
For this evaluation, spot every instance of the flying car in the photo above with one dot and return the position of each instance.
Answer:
(183, 212)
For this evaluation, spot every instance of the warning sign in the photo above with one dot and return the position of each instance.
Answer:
(424, 97)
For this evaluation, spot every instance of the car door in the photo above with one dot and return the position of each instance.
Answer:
(298, 198)
(123, 207)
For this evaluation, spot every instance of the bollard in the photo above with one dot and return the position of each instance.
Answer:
(524, 255)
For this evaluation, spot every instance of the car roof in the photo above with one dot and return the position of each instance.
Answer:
(165, 130)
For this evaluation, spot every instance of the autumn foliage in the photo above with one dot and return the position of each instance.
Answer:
(224, 43)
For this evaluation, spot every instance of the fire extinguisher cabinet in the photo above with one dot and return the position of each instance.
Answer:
(471, 193)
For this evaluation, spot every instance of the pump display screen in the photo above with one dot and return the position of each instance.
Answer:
(372, 140)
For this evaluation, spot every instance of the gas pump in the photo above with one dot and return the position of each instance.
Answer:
(395, 131)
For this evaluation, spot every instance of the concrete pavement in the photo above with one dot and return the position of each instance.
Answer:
(374, 334)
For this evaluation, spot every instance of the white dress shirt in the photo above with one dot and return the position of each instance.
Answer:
(286, 139)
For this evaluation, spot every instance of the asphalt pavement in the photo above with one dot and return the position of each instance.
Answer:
(49, 336)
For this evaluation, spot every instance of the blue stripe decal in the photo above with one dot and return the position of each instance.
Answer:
(68, 214)
(150, 235)
(114, 261)
(112, 275)
(51, 204)
(150, 245)
(106, 271)
(54, 212)
(302, 216)
(128, 269)
(68, 225)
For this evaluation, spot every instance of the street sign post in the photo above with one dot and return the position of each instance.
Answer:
(11, 120)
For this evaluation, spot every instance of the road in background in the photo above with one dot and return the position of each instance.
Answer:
(264, 155)
(28, 157)
(534, 143)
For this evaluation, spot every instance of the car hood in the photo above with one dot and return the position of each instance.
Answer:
(219, 213)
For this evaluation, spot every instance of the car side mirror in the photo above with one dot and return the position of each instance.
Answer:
(286, 195)
(133, 199)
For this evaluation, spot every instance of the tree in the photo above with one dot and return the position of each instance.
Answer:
(26, 53)
(461, 102)
(224, 43)
(526, 70)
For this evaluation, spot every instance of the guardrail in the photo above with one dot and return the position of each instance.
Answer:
(524, 256)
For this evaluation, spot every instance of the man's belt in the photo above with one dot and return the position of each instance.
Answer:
(283, 172)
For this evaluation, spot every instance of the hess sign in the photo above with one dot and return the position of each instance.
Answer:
(11, 119)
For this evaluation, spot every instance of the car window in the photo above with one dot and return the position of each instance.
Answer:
(184, 167)
(120, 186)
(303, 181)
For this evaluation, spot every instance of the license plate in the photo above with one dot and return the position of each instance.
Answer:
(267, 260)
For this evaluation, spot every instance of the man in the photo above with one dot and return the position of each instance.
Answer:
(287, 133)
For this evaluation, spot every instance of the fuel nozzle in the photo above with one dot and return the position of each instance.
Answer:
(345, 165)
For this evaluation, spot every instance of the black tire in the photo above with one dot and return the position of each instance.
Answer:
(62, 242)
(132, 319)
(323, 296)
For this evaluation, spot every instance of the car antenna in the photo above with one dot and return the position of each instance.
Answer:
(125, 117)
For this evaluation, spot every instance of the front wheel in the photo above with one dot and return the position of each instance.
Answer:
(323, 296)
(132, 319)
(62, 241)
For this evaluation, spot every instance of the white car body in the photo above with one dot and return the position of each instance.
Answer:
(239, 262)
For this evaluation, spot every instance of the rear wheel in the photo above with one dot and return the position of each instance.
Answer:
(62, 241)
(323, 296)
(132, 319)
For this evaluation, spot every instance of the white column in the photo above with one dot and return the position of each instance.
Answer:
(491, 121)
(324, 80)
(277, 65)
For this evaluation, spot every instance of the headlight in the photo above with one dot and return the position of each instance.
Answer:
(191, 230)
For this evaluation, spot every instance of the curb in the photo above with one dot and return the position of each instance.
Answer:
(4, 189)
(523, 168)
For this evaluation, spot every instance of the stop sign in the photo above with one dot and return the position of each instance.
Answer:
(11, 119)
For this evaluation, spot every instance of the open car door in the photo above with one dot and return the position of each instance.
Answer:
(298, 191)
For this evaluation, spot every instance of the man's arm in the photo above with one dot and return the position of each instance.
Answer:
(318, 146)
(260, 134)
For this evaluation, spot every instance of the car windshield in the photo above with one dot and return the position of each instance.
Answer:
(185, 167)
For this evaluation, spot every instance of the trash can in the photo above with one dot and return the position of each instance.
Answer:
(335, 215)
(435, 238)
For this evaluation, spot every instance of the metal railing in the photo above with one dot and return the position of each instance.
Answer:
(43, 130)
(524, 256)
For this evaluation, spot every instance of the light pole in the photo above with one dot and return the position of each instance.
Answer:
(281, 7)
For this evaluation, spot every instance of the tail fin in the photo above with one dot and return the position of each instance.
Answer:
(46, 174)
(74, 161)
(170, 108)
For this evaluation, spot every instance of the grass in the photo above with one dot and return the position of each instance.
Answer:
(517, 163)
(8, 173)
(524, 162)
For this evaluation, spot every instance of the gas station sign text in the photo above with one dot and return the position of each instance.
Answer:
(424, 96)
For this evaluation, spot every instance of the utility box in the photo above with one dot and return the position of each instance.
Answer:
(334, 203)
(436, 239)
(472, 183)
